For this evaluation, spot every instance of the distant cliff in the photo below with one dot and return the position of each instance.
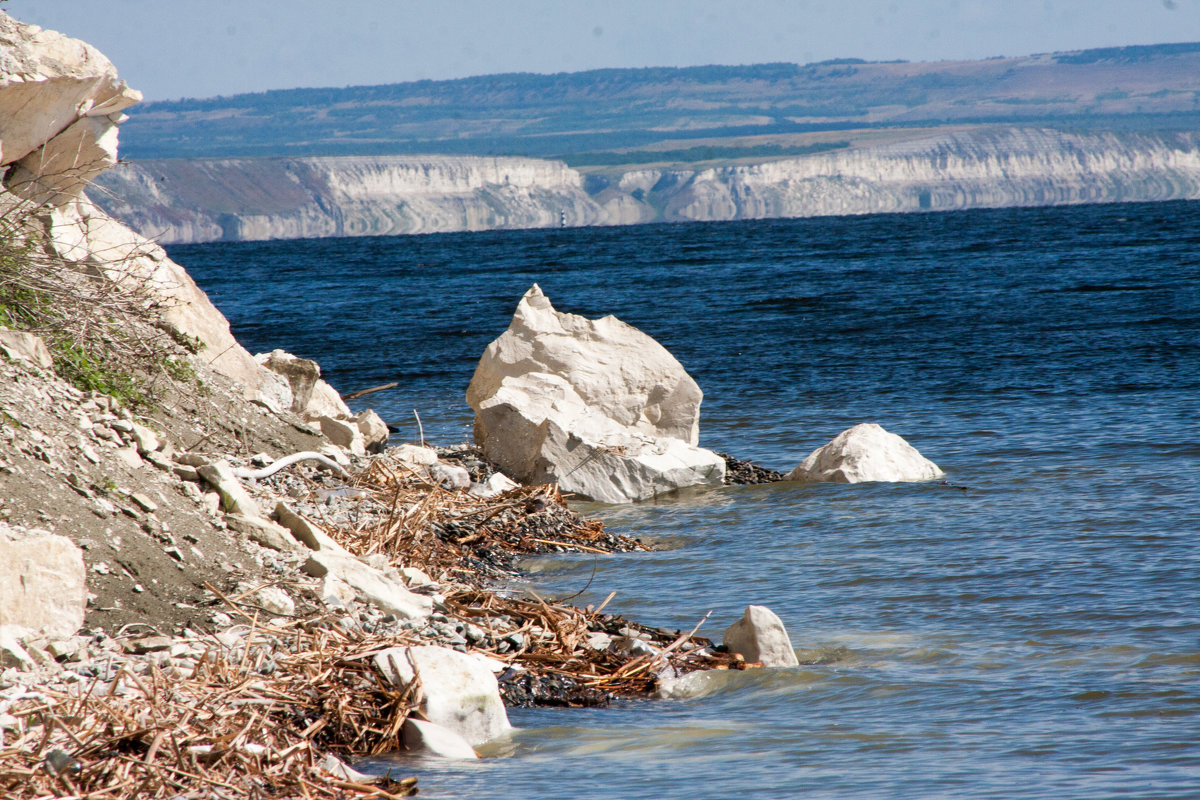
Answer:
(182, 200)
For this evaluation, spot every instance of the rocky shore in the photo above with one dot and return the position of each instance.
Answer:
(217, 581)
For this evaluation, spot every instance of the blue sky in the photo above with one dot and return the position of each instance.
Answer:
(200, 48)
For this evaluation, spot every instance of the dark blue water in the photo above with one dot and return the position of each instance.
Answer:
(1033, 631)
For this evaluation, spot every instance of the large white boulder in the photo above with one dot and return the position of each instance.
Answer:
(595, 406)
(760, 636)
(615, 368)
(865, 452)
(539, 430)
(458, 691)
(43, 584)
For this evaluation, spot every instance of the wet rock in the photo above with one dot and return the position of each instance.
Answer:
(759, 636)
(865, 452)
(745, 473)
(523, 689)
(425, 737)
(459, 691)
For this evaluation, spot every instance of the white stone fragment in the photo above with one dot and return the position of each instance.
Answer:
(380, 588)
(304, 530)
(43, 583)
(343, 433)
(412, 454)
(234, 497)
(263, 531)
(22, 346)
(374, 430)
(497, 483)
(760, 636)
(449, 476)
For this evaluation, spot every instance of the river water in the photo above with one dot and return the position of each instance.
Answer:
(1031, 629)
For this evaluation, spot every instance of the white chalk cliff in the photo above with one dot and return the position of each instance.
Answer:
(252, 199)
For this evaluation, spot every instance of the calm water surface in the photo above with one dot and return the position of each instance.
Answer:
(1031, 630)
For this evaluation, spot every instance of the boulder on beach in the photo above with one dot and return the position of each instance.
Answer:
(615, 369)
(596, 406)
(458, 692)
(863, 453)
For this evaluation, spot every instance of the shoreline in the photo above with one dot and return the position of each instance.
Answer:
(135, 691)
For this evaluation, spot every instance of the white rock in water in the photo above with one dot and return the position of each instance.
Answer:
(616, 369)
(458, 691)
(539, 430)
(43, 583)
(760, 636)
(865, 452)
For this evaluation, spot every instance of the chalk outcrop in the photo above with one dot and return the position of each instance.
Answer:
(60, 107)
(759, 636)
(304, 198)
(596, 406)
(863, 453)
